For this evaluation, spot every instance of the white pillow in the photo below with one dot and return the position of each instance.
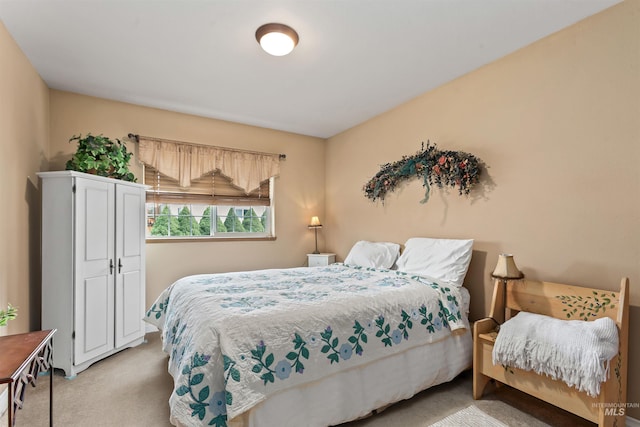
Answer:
(373, 254)
(445, 260)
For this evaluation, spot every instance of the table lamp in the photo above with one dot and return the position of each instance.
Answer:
(505, 270)
(315, 224)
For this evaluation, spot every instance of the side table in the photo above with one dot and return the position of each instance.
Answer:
(22, 357)
(316, 260)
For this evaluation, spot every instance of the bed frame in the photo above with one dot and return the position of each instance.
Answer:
(562, 302)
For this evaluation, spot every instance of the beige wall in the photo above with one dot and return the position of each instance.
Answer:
(558, 125)
(24, 133)
(299, 190)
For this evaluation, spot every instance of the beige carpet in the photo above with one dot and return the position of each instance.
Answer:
(132, 389)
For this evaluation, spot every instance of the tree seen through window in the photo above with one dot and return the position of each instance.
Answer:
(174, 220)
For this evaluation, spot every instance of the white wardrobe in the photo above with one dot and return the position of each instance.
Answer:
(93, 266)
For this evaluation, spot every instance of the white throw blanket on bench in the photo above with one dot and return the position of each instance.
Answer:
(574, 351)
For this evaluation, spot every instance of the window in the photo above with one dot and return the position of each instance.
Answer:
(211, 208)
(200, 191)
(184, 220)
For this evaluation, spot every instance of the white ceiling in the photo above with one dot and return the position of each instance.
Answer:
(355, 59)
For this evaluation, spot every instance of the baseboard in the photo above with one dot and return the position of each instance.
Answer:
(632, 422)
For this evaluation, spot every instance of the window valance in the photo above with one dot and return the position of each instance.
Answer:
(185, 162)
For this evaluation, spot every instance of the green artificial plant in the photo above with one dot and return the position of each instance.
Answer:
(99, 155)
(10, 314)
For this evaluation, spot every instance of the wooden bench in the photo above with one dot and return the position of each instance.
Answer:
(562, 302)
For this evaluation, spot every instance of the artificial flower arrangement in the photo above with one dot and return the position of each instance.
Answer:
(439, 167)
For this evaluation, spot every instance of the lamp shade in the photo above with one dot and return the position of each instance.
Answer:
(506, 268)
(315, 222)
(277, 39)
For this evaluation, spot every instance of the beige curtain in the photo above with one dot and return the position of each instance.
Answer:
(185, 162)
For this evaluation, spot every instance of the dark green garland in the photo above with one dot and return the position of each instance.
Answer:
(439, 167)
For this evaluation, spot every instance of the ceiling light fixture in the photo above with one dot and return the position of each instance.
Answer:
(277, 39)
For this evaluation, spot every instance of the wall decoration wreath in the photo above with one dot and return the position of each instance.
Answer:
(439, 167)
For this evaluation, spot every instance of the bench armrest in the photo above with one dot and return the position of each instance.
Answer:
(484, 326)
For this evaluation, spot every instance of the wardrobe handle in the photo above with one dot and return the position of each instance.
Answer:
(119, 265)
(110, 266)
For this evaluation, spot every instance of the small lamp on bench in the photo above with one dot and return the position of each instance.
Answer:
(506, 269)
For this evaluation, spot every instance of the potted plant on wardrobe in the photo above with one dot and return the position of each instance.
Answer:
(99, 155)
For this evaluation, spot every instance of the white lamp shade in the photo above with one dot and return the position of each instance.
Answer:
(506, 268)
(276, 44)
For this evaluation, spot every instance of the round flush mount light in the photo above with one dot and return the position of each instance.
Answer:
(277, 39)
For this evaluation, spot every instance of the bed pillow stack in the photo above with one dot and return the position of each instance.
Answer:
(373, 254)
(445, 260)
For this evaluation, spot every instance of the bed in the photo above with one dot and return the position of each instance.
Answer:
(315, 346)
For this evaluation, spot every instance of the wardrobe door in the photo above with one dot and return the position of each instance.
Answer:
(130, 261)
(94, 268)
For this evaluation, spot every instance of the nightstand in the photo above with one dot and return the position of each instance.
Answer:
(317, 260)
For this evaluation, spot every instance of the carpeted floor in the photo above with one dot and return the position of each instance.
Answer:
(132, 389)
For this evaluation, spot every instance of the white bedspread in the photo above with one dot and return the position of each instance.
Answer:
(236, 338)
(574, 351)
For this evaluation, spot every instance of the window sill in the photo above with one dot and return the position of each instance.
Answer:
(210, 239)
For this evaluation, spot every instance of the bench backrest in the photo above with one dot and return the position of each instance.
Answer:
(567, 302)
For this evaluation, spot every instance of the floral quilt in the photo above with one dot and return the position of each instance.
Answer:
(235, 338)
